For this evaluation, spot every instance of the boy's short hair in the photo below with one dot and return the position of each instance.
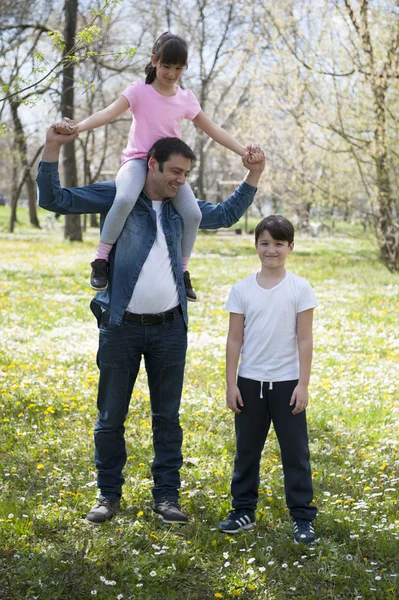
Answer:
(278, 226)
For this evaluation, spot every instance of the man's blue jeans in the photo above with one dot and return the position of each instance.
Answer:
(120, 350)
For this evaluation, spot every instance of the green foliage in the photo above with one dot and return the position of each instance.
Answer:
(57, 40)
(48, 406)
(89, 34)
(4, 128)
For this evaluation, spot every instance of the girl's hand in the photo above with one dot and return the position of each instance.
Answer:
(253, 154)
(65, 127)
(56, 140)
(233, 398)
(255, 164)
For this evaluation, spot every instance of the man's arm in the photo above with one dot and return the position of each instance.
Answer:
(232, 209)
(300, 396)
(95, 198)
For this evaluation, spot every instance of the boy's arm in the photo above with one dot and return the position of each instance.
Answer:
(300, 396)
(229, 212)
(95, 198)
(233, 348)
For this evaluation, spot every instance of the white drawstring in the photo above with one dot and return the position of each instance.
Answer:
(261, 387)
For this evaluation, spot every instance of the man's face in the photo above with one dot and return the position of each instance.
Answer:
(174, 172)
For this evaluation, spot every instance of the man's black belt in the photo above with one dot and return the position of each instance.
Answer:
(153, 319)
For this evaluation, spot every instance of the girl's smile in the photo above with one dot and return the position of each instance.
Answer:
(167, 75)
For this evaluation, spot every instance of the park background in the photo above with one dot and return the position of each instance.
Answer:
(316, 84)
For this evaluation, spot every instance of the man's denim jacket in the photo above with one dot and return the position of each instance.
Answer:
(134, 244)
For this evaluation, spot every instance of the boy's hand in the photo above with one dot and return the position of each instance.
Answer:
(233, 398)
(300, 397)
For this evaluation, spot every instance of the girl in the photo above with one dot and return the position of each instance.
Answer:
(158, 106)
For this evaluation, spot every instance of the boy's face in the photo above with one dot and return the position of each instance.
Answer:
(272, 253)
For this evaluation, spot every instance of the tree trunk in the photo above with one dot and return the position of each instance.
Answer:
(73, 229)
(387, 228)
(32, 200)
(199, 185)
(21, 145)
(94, 221)
(14, 196)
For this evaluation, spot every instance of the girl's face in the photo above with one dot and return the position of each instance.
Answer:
(167, 75)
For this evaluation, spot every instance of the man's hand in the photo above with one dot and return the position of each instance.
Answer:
(255, 156)
(233, 398)
(66, 126)
(57, 135)
(254, 160)
(62, 132)
(300, 397)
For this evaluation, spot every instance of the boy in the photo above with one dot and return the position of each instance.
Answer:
(271, 314)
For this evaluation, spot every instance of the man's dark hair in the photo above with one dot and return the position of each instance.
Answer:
(278, 226)
(163, 149)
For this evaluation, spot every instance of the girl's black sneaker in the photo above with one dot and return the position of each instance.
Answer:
(99, 274)
(191, 295)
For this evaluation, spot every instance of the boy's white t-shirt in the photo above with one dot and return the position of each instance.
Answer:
(270, 349)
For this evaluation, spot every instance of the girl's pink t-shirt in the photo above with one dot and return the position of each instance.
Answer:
(155, 117)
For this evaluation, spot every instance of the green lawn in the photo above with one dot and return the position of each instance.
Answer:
(48, 382)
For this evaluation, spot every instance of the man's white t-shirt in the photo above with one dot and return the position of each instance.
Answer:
(270, 349)
(155, 290)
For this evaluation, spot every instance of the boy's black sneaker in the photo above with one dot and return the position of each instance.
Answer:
(170, 512)
(191, 295)
(99, 274)
(303, 531)
(103, 510)
(237, 520)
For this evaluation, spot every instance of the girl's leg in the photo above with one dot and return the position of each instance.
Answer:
(129, 183)
(187, 206)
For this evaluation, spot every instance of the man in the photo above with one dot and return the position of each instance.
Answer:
(144, 310)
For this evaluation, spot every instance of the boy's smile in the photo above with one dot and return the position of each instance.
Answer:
(272, 253)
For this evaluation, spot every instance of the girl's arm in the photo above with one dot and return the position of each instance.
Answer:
(233, 348)
(300, 396)
(220, 135)
(105, 116)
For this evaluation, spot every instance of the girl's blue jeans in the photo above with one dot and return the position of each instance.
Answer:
(164, 348)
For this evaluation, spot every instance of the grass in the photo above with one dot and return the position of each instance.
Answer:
(48, 383)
